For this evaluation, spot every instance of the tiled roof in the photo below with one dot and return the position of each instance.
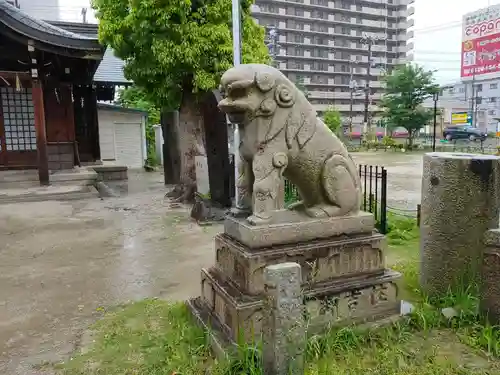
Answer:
(23, 24)
(111, 69)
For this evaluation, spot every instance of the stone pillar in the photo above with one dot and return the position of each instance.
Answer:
(459, 204)
(158, 143)
(283, 320)
(489, 300)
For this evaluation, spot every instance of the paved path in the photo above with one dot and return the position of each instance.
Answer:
(404, 176)
(61, 263)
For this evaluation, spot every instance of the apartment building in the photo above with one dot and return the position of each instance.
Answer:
(323, 44)
(480, 98)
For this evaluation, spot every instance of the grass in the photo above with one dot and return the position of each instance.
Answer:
(155, 337)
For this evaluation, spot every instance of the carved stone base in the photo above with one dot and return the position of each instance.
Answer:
(237, 316)
(293, 226)
(321, 260)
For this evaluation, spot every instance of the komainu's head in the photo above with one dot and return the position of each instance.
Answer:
(256, 90)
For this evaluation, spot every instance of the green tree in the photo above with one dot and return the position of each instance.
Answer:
(332, 120)
(175, 51)
(406, 89)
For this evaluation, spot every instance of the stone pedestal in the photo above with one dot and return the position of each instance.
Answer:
(459, 204)
(344, 278)
(489, 299)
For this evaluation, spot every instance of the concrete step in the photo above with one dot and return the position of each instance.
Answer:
(29, 178)
(47, 193)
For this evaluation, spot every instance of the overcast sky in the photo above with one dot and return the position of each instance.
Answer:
(438, 34)
(437, 31)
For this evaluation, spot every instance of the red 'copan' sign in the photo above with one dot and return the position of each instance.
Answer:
(481, 56)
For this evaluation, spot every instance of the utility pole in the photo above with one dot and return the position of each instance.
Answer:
(352, 87)
(435, 97)
(273, 45)
(236, 23)
(368, 40)
(367, 87)
(472, 99)
(84, 15)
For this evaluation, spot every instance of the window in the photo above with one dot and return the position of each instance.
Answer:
(340, 42)
(493, 99)
(345, 5)
(298, 38)
(319, 53)
(359, 8)
(323, 80)
(492, 112)
(320, 40)
(19, 119)
(292, 64)
(319, 27)
(299, 12)
(320, 66)
(493, 86)
(319, 14)
(479, 87)
(345, 31)
(479, 100)
(461, 90)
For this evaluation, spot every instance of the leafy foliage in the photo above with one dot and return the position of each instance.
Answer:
(134, 97)
(406, 89)
(170, 46)
(332, 119)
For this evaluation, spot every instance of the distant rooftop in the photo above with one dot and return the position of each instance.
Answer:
(44, 33)
(110, 69)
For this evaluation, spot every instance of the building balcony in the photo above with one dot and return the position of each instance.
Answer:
(331, 58)
(346, 107)
(353, 48)
(358, 95)
(400, 36)
(365, 25)
(397, 7)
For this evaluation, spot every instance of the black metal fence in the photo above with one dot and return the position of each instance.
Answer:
(374, 193)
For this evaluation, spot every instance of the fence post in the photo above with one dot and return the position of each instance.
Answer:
(383, 202)
(419, 207)
(284, 336)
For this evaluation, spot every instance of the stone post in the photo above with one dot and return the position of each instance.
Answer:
(489, 300)
(283, 324)
(459, 204)
(158, 143)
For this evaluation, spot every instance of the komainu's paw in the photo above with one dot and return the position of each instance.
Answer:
(296, 206)
(322, 211)
(256, 220)
(239, 212)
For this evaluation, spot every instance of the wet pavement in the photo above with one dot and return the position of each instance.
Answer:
(62, 264)
(404, 177)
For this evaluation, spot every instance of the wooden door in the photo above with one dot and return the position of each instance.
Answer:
(3, 150)
(18, 128)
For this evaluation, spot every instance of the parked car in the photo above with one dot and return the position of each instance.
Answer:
(464, 132)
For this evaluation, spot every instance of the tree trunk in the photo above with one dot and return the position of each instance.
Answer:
(190, 138)
(410, 139)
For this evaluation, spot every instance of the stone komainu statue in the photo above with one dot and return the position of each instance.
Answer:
(282, 136)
